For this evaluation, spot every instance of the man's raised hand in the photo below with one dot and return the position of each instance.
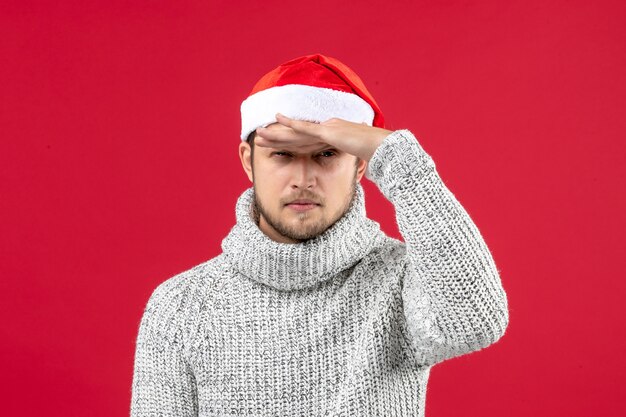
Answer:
(357, 139)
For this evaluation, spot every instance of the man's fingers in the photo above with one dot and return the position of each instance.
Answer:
(285, 138)
(282, 132)
(290, 133)
(303, 126)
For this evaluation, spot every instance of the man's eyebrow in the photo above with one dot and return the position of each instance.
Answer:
(325, 148)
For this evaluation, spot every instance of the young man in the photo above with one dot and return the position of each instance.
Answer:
(311, 309)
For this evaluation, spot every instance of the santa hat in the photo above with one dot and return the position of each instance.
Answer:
(313, 88)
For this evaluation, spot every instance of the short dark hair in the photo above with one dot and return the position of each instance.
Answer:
(250, 140)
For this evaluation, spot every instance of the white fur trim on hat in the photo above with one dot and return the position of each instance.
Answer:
(302, 102)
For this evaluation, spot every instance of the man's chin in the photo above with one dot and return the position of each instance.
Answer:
(304, 233)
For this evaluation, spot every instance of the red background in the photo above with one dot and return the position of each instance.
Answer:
(119, 126)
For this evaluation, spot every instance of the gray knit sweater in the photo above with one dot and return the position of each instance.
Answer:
(346, 324)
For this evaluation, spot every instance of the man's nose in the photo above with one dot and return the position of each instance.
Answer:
(305, 173)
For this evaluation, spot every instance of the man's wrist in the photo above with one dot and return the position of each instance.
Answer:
(378, 137)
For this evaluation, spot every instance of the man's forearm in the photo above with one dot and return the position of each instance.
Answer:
(454, 302)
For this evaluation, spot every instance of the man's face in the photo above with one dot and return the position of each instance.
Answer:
(324, 176)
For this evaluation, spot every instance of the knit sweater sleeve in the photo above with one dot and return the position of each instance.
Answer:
(452, 296)
(163, 382)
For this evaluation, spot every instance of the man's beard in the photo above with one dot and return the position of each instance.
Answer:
(306, 231)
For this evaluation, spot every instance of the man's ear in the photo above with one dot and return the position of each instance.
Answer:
(360, 170)
(245, 154)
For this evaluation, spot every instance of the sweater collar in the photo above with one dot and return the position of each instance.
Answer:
(293, 266)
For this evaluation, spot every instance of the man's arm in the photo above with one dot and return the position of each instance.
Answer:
(454, 302)
(163, 382)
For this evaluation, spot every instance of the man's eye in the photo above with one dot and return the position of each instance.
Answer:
(328, 152)
(280, 153)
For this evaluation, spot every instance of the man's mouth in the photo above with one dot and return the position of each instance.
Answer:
(302, 205)
(303, 201)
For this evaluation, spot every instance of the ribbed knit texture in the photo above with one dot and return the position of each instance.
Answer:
(346, 324)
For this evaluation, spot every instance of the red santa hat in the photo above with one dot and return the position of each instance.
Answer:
(313, 88)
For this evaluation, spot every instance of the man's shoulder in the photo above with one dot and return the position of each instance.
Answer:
(185, 288)
(390, 252)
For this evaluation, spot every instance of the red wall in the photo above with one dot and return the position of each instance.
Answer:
(119, 127)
